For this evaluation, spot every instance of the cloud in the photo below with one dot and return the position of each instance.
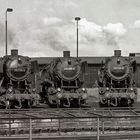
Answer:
(116, 29)
(51, 21)
(99, 38)
(114, 33)
(46, 29)
(89, 31)
(136, 24)
(57, 35)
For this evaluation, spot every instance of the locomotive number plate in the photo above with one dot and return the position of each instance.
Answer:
(70, 68)
(118, 68)
(19, 70)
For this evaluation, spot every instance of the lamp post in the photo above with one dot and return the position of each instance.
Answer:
(77, 19)
(7, 10)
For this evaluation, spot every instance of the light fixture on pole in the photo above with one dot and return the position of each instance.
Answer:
(77, 19)
(7, 10)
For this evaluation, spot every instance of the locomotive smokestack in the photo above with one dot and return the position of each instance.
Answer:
(14, 52)
(66, 53)
(117, 53)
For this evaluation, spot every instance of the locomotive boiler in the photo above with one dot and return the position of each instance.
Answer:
(63, 80)
(116, 81)
(17, 81)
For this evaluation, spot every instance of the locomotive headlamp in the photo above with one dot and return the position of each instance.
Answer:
(58, 89)
(131, 89)
(83, 89)
(107, 89)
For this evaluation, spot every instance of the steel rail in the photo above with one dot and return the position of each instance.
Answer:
(70, 113)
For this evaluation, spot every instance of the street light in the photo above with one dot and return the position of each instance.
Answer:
(7, 10)
(77, 19)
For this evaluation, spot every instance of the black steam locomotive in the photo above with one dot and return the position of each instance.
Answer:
(116, 81)
(17, 81)
(62, 82)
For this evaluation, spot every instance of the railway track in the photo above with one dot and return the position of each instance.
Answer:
(58, 113)
(135, 136)
(72, 121)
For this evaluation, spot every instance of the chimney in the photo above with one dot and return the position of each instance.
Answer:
(66, 53)
(14, 52)
(117, 53)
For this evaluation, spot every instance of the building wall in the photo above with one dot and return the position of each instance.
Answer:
(137, 76)
(92, 75)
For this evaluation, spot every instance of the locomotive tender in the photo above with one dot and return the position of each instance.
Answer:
(17, 81)
(116, 81)
(62, 82)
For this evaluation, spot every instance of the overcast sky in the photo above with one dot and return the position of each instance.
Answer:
(47, 27)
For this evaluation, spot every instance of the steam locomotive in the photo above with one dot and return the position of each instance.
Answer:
(17, 81)
(116, 81)
(62, 82)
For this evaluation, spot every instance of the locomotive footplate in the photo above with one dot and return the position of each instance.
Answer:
(18, 100)
(67, 98)
(117, 97)
(70, 95)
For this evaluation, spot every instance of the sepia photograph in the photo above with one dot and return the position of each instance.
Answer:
(69, 70)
